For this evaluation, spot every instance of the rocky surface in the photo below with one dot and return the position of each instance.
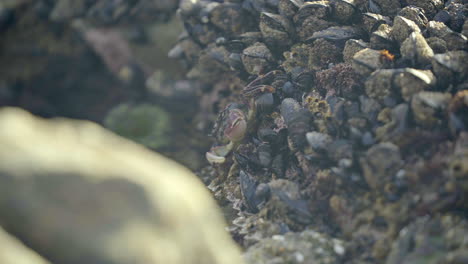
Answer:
(346, 117)
(305, 247)
(76, 193)
(342, 118)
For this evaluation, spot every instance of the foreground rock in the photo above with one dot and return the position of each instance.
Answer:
(13, 252)
(78, 194)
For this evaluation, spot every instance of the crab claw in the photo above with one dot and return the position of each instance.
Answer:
(222, 151)
(214, 159)
(237, 126)
(217, 154)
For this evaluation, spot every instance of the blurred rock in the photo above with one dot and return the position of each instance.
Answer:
(305, 247)
(78, 194)
(13, 251)
(425, 240)
(146, 124)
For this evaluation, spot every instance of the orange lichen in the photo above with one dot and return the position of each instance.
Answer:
(385, 55)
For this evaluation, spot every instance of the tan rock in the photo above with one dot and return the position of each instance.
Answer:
(12, 251)
(77, 193)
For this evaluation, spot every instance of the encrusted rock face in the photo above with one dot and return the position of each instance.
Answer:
(381, 164)
(76, 193)
(413, 240)
(297, 248)
(345, 117)
(358, 104)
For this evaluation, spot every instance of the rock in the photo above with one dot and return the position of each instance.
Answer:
(417, 50)
(12, 251)
(380, 164)
(305, 247)
(438, 240)
(76, 193)
(67, 9)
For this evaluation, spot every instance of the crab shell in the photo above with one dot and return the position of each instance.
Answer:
(237, 126)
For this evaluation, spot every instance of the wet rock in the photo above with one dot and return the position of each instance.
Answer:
(450, 67)
(380, 118)
(297, 56)
(410, 81)
(457, 110)
(7, 17)
(305, 247)
(383, 84)
(318, 141)
(277, 31)
(319, 9)
(415, 14)
(458, 169)
(379, 85)
(310, 25)
(288, 8)
(465, 29)
(416, 50)
(297, 120)
(212, 62)
(454, 40)
(402, 28)
(322, 53)
(429, 107)
(435, 234)
(395, 123)
(380, 164)
(338, 35)
(285, 195)
(384, 7)
(67, 9)
(344, 10)
(430, 7)
(339, 80)
(352, 47)
(77, 193)
(369, 107)
(372, 22)
(340, 150)
(253, 194)
(368, 60)
(438, 45)
(457, 13)
(257, 58)
(382, 38)
(230, 18)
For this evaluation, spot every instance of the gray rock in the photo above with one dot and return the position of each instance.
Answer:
(425, 240)
(380, 164)
(78, 194)
(305, 247)
(67, 9)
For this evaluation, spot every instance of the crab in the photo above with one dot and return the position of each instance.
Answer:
(230, 128)
(233, 122)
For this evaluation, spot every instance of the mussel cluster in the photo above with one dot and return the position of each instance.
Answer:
(347, 117)
(105, 12)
